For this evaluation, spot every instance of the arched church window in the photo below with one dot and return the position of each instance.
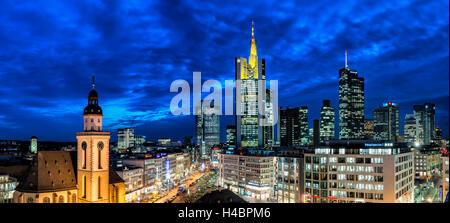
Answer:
(46, 200)
(99, 187)
(61, 199)
(84, 187)
(100, 146)
(84, 147)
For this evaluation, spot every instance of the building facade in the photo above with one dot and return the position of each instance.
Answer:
(269, 130)
(426, 163)
(351, 104)
(134, 184)
(359, 172)
(290, 183)
(368, 129)
(207, 124)
(251, 175)
(425, 122)
(386, 122)
(8, 185)
(445, 178)
(294, 126)
(231, 135)
(249, 132)
(125, 138)
(326, 122)
(33, 144)
(409, 129)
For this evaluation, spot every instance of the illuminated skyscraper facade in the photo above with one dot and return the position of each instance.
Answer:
(409, 129)
(386, 122)
(207, 124)
(326, 122)
(368, 129)
(231, 135)
(351, 104)
(249, 132)
(33, 144)
(425, 122)
(269, 131)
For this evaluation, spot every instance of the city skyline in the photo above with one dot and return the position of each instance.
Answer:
(48, 71)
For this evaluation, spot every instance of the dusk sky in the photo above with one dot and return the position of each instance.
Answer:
(50, 49)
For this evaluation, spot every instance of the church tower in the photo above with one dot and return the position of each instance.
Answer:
(93, 154)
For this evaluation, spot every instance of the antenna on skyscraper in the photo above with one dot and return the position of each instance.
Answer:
(346, 59)
(253, 29)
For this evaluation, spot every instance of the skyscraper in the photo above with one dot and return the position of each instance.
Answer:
(249, 132)
(231, 135)
(438, 133)
(351, 103)
(125, 138)
(368, 129)
(326, 122)
(207, 124)
(294, 126)
(33, 144)
(409, 129)
(269, 131)
(316, 133)
(386, 122)
(425, 122)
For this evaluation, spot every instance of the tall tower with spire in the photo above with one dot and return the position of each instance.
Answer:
(351, 103)
(248, 131)
(93, 154)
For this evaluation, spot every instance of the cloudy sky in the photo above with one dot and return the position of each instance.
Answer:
(50, 49)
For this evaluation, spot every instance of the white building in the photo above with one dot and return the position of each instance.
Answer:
(251, 176)
(134, 182)
(125, 138)
(359, 172)
(7, 187)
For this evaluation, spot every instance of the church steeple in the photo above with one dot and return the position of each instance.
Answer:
(93, 113)
(253, 59)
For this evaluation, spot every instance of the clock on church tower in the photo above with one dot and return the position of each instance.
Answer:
(93, 154)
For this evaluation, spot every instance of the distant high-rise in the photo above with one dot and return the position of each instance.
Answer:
(351, 103)
(409, 129)
(249, 132)
(125, 138)
(326, 122)
(231, 135)
(425, 122)
(386, 122)
(269, 131)
(316, 132)
(438, 133)
(207, 124)
(33, 144)
(368, 129)
(294, 126)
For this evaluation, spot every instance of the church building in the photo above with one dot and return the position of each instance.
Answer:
(81, 176)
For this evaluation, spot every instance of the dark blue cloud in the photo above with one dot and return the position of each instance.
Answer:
(137, 48)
